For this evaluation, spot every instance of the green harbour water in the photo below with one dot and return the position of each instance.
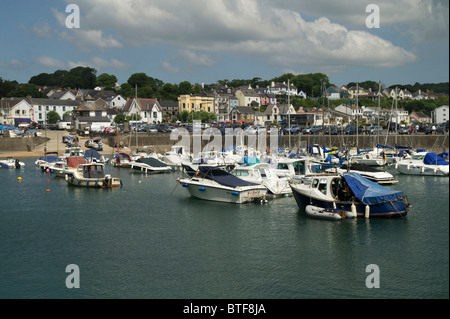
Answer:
(150, 240)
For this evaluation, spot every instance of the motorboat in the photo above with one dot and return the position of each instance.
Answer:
(10, 162)
(143, 153)
(94, 156)
(44, 161)
(73, 151)
(296, 168)
(149, 165)
(95, 144)
(121, 160)
(264, 174)
(65, 166)
(215, 184)
(377, 156)
(175, 156)
(370, 172)
(92, 175)
(423, 163)
(350, 193)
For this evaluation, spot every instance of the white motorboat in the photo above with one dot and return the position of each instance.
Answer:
(423, 163)
(121, 160)
(371, 173)
(374, 157)
(10, 162)
(215, 184)
(175, 156)
(149, 165)
(264, 174)
(92, 175)
(65, 166)
(350, 193)
(296, 168)
(73, 151)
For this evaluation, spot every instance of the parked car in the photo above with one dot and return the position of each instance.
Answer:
(306, 130)
(163, 128)
(376, 130)
(316, 129)
(331, 130)
(404, 130)
(442, 128)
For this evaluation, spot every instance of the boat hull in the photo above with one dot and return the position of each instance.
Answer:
(74, 180)
(421, 169)
(209, 190)
(396, 208)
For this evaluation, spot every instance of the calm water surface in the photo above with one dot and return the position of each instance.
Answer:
(149, 239)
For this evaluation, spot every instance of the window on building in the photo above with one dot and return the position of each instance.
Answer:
(155, 115)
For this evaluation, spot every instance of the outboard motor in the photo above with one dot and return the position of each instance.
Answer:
(17, 164)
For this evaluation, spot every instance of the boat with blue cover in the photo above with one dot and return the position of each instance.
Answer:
(424, 163)
(149, 165)
(215, 184)
(350, 192)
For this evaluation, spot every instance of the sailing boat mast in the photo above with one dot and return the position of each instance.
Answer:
(289, 115)
(357, 93)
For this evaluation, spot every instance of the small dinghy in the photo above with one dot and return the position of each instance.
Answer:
(325, 213)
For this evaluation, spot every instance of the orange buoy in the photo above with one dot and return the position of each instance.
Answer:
(47, 190)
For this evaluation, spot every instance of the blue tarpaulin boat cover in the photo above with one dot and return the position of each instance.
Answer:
(223, 177)
(384, 146)
(433, 159)
(370, 192)
(90, 153)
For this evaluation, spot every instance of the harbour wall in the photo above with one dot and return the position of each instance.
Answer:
(21, 144)
(162, 142)
(433, 143)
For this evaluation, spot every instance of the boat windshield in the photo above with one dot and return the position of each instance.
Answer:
(299, 167)
(93, 171)
(418, 157)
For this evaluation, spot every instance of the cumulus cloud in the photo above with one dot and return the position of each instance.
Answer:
(271, 30)
(169, 67)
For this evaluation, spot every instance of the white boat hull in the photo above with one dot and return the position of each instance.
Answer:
(422, 169)
(322, 213)
(212, 191)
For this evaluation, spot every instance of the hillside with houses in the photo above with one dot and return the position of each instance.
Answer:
(304, 100)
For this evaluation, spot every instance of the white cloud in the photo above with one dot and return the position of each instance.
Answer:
(197, 58)
(50, 62)
(169, 68)
(261, 29)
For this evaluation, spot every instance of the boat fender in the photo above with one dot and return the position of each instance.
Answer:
(367, 211)
(423, 169)
(234, 193)
(201, 188)
(184, 185)
(353, 208)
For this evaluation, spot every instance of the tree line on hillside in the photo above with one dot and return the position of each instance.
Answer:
(145, 86)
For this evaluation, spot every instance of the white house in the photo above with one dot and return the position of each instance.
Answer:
(14, 111)
(117, 102)
(440, 114)
(148, 109)
(41, 108)
(248, 97)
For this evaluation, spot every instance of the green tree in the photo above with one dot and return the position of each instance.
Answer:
(184, 87)
(106, 80)
(25, 90)
(53, 117)
(120, 118)
(127, 90)
(6, 87)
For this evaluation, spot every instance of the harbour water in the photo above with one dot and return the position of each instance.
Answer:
(150, 240)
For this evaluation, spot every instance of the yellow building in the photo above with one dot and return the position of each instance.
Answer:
(196, 103)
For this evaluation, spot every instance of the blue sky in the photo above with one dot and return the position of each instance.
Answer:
(210, 40)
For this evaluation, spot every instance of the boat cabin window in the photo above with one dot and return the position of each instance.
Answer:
(323, 186)
(282, 166)
(265, 173)
(315, 183)
(299, 168)
(93, 171)
(241, 172)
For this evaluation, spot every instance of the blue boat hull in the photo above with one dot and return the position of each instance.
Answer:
(397, 208)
